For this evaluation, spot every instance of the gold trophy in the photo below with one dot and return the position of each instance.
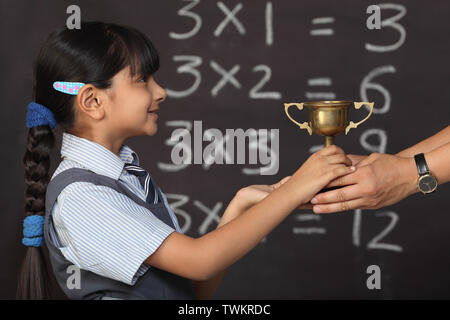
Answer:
(328, 118)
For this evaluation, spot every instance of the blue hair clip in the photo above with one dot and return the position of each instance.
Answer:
(68, 87)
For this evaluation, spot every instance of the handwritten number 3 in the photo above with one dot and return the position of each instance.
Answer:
(391, 22)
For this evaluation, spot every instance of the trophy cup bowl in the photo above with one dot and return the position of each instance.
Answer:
(328, 118)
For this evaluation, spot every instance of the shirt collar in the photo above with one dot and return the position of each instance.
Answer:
(96, 157)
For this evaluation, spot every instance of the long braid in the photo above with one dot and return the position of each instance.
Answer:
(34, 279)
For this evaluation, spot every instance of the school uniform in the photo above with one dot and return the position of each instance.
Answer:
(98, 219)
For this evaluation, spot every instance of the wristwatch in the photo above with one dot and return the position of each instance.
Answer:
(426, 182)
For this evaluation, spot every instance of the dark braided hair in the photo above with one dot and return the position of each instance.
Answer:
(92, 54)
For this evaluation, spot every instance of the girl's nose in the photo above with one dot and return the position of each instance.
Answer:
(162, 96)
(161, 93)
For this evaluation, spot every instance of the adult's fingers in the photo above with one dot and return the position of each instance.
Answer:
(350, 178)
(339, 170)
(339, 207)
(339, 195)
(356, 158)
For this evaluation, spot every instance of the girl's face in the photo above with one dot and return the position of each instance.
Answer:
(131, 109)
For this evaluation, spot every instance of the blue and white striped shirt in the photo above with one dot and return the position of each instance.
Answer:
(99, 229)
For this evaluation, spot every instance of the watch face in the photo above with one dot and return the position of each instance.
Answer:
(427, 183)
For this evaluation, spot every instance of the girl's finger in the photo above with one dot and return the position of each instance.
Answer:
(332, 149)
(340, 158)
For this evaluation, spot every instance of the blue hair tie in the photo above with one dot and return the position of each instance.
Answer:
(33, 242)
(33, 229)
(39, 115)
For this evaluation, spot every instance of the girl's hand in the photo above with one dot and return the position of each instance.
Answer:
(251, 195)
(319, 170)
(247, 197)
(321, 167)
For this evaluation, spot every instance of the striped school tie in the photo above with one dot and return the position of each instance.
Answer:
(146, 181)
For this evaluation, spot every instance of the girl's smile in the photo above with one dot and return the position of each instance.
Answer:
(153, 114)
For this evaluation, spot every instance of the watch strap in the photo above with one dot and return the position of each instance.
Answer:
(421, 164)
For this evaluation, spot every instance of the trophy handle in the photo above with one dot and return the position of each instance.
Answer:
(303, 125)
(357, 106)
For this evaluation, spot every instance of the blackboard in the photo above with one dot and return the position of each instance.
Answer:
(300, 51)
(232, 65)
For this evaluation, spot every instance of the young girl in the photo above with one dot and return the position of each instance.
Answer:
(108, 228)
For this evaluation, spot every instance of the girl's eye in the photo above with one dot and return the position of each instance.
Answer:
(143, 79)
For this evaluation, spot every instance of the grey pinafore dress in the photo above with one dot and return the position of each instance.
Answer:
(154, 284)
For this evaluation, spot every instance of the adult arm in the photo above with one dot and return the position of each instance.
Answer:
(381, 180)
(433, 142)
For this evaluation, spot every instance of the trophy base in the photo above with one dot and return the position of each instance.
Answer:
(329, 189)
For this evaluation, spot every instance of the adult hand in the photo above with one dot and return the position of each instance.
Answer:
(356, 158)
(379, 180)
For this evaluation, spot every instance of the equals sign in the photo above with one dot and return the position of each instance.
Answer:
(322, 31)
(310, 230)
(325, 82)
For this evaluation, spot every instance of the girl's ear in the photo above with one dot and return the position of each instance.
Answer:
(90, 103)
